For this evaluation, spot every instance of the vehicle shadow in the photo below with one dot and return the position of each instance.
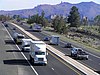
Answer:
(16, 62)
(8, 41)
(68, 55)
(37, 64)
(50, 30)
(13, 51)
(82, 59)
(52, 44)
(29, 30)
(74, 57)
(17, 51)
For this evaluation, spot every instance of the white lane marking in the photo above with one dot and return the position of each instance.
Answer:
(88, 52)
(22, 53)
(52, 68)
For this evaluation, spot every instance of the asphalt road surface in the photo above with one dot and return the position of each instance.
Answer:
(11, 60)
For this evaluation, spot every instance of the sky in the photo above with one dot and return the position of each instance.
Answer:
(27, 4)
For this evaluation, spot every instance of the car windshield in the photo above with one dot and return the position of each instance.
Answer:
(40, 53)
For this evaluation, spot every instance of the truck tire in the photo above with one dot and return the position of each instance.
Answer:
(86, 58)
(71, 55)
(22, 49)
(15, 40)
(44, 64)
(57, 44)
(31, 60)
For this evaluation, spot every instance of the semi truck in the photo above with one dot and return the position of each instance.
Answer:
(38, 53)
(79, 53)
(18, 37)
(54, 39)
(26, 44)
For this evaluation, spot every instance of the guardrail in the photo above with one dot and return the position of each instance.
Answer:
(69, 60)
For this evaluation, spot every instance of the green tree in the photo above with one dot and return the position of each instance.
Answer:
(55, 22)
(59, 24)
(40, 19)
(45, 23)
(42, 14)
(17, 17)
(30, 21)
(4, 18)
(74, 17)
(97, 21)
(33, 19)
(99, 29)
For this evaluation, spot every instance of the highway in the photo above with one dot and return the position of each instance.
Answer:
(15, 62)
(93, 62)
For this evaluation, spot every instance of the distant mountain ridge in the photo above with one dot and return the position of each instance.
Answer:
(89, 9)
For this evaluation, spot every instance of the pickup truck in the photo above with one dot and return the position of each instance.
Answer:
(79, 53)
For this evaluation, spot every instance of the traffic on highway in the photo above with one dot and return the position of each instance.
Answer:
(20, 60)
(92, 57)
(49, 37)
(60, 47)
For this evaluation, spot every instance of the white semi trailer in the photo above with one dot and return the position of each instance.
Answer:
(38, 53)
(54, 40)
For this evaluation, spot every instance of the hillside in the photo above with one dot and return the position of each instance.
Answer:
(89, 9)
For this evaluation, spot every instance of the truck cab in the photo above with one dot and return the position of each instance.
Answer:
(38, 53)
(26, 44)
(79, 53)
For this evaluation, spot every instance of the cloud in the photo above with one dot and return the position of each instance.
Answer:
(26, 4)
(15, 4)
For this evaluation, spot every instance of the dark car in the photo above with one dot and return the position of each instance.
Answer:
(68, 45)
(46, 38)
(14, 28)
(30, 27)
(6, 25)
